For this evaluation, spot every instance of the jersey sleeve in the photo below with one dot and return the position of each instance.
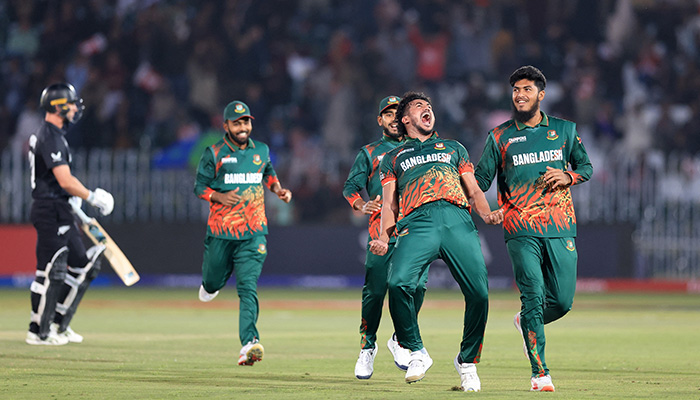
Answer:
(54, 152)
(269, 174)
(206, 172)
(357, 178)
(386, 169)
(488, 164)
(463, 163)
(581, 167)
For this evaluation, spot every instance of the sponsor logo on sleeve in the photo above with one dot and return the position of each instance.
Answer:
(56, 157)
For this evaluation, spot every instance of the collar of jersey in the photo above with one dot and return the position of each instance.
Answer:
(545, 122)
(234, 147)
(433, 135)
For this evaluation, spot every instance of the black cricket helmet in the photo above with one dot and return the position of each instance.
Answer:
(56, 97)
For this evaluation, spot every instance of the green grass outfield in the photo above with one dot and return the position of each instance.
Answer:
(148, 343)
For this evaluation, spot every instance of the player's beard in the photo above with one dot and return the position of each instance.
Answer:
(524, 116)
(395, 136)
(236, 140)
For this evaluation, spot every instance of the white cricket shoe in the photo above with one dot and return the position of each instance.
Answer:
(401, 356)
(68, 333)
(467, 375)
(51, 340)
(250, 353)
(206, 296)
(419, 364)
(516, 322)
(364, 367)
(541, 384)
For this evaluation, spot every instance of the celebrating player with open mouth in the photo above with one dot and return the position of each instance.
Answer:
(429, 182)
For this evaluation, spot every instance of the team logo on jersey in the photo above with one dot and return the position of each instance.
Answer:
(440, 146)
(552, 135)
(262, 249)
(256, 159)
(56, 157)
(239, 109)
(404, 232)
(570, 245)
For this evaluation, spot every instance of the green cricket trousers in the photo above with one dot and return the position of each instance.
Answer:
(439, 230)
(545, 272)
(374, 292)
(223, 257)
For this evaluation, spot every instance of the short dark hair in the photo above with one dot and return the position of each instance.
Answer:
(530, 73)
(406, 99)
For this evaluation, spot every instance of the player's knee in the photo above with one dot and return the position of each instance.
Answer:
(561, 307)
(59, 265)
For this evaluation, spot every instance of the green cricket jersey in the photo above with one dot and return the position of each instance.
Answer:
(225, 167)
(427, 171)
(365, 174)
(517, 155)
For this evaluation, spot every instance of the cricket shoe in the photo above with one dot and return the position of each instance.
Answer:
(206, 296)
(250, 353)
(419, 364)
(467, 375)
(364, 367)
(52, 340)
(516, 322)
(541, 384)
(68, 333)
(401, 356)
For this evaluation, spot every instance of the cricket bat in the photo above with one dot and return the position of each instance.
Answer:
(121, 265)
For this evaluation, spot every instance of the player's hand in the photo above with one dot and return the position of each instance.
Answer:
(230, 198)
(75, 202)
(372, 206)
(284, 195)
(378, 247)
(494, 218)
(555, 177)
(102, 200)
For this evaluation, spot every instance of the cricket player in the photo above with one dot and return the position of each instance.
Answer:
(529, 156)
(364, 174)
(230, 176)
(64, 268)
(429, 183)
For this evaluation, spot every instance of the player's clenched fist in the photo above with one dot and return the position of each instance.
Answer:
(378, 247)
(284, 195)
(229, 198)
(494, 218)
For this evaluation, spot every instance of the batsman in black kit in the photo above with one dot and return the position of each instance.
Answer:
(64, 268)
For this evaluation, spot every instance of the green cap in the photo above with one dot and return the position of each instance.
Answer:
(236, 110)
(388, 102)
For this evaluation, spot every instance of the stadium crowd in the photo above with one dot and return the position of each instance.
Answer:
(156, 75)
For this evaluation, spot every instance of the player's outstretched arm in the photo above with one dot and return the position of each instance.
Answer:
(478, 201)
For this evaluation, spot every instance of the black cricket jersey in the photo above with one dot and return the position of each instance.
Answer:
(48, 148)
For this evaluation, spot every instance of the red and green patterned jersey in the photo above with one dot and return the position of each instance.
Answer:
(225, 167)
(364, 174)
(427, 171)
(517, 156)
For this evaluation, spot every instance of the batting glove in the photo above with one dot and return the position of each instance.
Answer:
(102, 200)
